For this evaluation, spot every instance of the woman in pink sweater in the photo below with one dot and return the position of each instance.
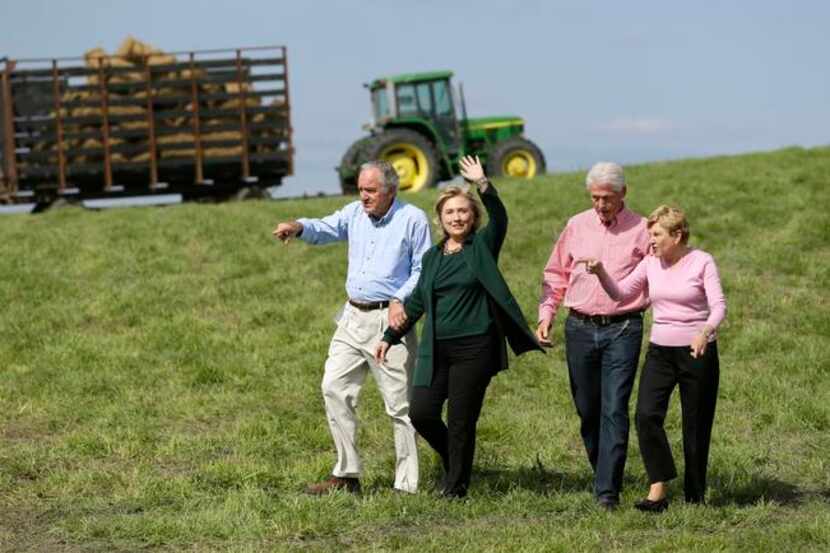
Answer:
(688, 301)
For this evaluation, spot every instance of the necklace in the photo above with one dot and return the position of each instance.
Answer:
(451, 251)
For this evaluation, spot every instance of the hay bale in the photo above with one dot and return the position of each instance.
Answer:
(134, 125)
(220, 151)
(182, 142)
(126, 110)
(182, 137)
(98, 58)
(192, 74)
(223, 135)
(236, 103)
(137, 52)
(98, 156)
(129, 110)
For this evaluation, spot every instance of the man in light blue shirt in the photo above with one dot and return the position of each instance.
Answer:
(387, 239)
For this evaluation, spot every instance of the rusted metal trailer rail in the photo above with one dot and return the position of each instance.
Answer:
(203, 123)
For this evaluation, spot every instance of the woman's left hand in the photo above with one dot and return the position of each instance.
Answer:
(593, 266)
(699, 343)
(471, 168)
(380, 352)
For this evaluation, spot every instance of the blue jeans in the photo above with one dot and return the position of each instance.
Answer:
(602, 363)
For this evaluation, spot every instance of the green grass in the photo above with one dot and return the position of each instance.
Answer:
(160, 369)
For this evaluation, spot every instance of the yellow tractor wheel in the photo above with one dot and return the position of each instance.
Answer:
(519, 163)
(411, 164)
(412, 156)
(516, 157)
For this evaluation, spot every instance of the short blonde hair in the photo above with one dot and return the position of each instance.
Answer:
(452, 192)
(672, 219)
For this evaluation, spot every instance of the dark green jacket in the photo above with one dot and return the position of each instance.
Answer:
(481, 253)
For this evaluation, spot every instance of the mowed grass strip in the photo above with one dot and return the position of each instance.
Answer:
(160, 369)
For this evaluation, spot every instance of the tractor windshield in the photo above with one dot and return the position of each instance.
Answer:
(443, 100)
(380, 104)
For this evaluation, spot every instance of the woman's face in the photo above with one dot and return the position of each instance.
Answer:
(457, 217)
(663, 244)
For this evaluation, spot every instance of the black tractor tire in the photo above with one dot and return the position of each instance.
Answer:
(354, 157)
(516, 157)
(412, 155)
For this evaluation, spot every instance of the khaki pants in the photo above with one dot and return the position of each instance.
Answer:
(350, 358)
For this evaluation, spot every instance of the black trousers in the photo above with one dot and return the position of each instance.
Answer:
(462, 372)
(664, 368)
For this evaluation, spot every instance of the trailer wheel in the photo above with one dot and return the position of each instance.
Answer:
(349, 168)
(250, 193)
(50, 204)
(412, 156)
(516, 157)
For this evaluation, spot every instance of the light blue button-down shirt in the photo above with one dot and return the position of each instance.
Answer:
(384, 254)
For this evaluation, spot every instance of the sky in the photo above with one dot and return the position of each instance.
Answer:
(622, 81)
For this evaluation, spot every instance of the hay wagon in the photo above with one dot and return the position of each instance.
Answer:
(211, 123)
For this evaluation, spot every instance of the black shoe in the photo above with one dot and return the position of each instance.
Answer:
(453, 493)
(649, 506)
(608, 503)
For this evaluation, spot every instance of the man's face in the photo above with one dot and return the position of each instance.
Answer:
(374, 197)
(607, 203)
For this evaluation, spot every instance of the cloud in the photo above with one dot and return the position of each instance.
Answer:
(638, 126)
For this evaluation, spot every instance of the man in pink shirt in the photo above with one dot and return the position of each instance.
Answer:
(602, 336)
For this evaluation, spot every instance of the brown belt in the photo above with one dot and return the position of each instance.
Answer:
(370, 306)
(605, 320)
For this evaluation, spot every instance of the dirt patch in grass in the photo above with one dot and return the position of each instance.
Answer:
(31, 531)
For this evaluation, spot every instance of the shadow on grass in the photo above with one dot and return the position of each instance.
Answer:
(544, 481)
(539, 479)
(499, 481)
(758, 488)
(534, 479)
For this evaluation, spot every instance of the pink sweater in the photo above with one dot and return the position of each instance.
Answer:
(686, 296)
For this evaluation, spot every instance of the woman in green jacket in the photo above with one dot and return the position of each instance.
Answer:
(470, 312)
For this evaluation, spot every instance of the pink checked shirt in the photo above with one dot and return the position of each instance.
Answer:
(620, 246)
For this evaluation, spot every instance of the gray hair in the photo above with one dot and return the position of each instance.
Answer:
(388, 175)
(606, 172)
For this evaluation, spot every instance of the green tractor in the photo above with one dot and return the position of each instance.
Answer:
(416, 128)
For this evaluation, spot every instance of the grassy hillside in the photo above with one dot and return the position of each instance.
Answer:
(160, 369)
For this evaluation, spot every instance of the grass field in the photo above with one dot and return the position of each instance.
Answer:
(160, 369)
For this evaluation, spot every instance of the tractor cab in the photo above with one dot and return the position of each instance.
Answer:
(421, 101)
